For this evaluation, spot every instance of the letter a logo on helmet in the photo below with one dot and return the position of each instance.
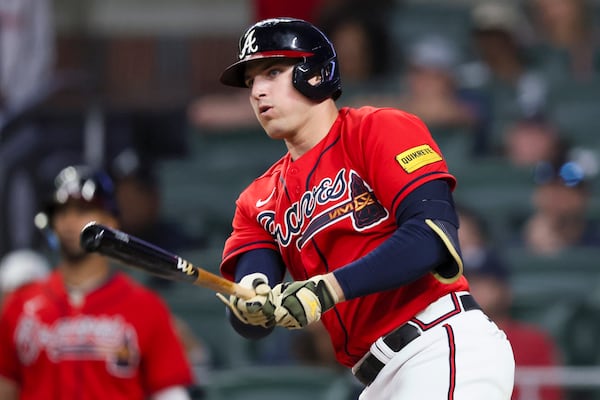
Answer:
(291, 39)
(250, 46)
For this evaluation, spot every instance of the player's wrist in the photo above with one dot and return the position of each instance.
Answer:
(334, 287)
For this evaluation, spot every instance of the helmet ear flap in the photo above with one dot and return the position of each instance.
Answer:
(329, 84)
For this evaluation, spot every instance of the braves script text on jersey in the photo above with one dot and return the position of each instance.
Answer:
(335, 204)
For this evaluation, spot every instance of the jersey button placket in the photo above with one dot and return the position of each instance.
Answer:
(297, 188)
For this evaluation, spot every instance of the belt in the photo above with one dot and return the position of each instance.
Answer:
(368, 367)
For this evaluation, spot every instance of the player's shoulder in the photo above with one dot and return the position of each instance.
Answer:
(372, 123)
(20, 296)
(367, 113)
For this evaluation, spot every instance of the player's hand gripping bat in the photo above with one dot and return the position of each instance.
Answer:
(137, 253)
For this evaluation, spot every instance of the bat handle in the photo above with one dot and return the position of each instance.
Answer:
(224, 286)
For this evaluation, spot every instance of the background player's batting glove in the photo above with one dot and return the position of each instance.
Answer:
(258, 310)
(301, 303)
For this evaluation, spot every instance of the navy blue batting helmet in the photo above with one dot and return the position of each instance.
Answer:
(84, 184)
(290, 38)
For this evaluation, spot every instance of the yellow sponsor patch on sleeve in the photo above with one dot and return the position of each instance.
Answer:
(417, 157)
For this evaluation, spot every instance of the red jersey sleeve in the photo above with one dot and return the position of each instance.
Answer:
(397, 154)
(164, 362)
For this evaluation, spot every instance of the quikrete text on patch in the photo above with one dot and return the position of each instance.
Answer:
(417, 157)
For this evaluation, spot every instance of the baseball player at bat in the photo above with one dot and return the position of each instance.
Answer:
(360, 213)
(86, 332)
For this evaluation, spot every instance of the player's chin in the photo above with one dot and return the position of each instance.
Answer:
(71, 251)
(73, 255)
(273, 130)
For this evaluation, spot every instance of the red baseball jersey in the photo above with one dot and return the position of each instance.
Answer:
(335, 204)
(119, 344)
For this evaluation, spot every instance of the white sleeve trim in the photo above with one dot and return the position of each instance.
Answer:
(171, 393)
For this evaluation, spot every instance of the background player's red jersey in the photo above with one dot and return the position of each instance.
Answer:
(321, 219)
(119, 344)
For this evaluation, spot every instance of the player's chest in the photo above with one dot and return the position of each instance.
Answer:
(321, 202)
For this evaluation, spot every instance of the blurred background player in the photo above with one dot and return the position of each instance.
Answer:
(85, 332)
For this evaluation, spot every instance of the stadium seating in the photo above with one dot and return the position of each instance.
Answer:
(553, 291)
(498, 191)
(574, 108)
(201, 190)
(205, 315)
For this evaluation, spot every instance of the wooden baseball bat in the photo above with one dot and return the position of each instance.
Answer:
(135, 252)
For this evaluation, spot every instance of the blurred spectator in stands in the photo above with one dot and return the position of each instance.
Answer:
(139, 198)
(313, 347)
(502, 70)
(489, 282)
(312, 10)
(473, 236)
(26, 52)
(307, 10)
(432, 87)
(528, 141)
(20, 267)
(26, 72)
(363, 47)
(567, 38)
(222, 111)
(561, 197)
(429, 88)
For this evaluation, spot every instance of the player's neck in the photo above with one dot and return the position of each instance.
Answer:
(316, 128)
(85, 274)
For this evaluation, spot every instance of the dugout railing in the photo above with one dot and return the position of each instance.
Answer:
(584, 380)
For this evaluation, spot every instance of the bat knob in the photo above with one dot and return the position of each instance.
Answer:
(91, 236)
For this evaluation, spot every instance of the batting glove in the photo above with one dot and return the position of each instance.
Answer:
(299, 304)
(258, 310)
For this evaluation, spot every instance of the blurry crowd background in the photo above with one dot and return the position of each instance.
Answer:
(509, 89)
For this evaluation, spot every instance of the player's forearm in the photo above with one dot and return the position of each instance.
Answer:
(411, 252)
(267, 262)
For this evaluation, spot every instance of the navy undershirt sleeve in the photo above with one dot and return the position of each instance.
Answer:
(413, 250)
(265, 261)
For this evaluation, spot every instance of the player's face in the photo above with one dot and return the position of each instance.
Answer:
(69, 220)
(281, 110)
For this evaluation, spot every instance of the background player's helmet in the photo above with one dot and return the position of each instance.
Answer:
(84, 184)
(290, 38)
